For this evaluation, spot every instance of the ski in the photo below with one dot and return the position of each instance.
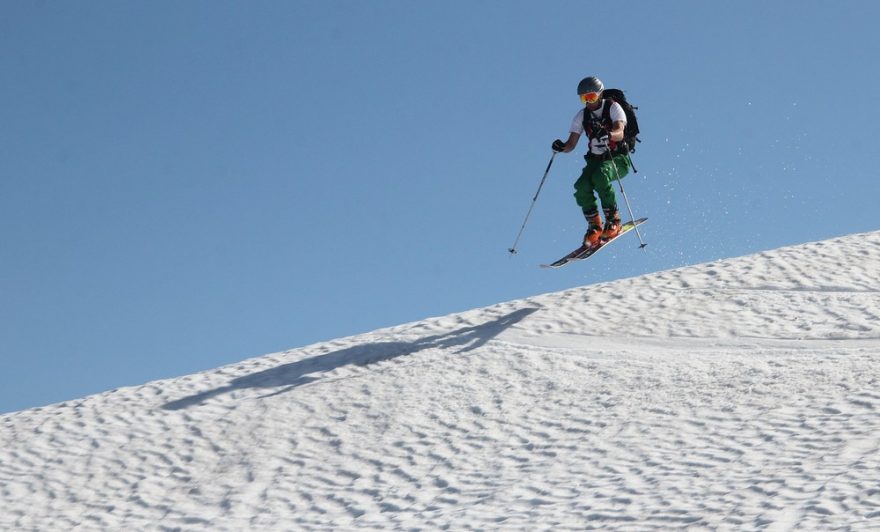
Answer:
(585, 252)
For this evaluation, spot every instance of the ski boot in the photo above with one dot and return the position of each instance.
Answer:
(594, 230)
(612, 225)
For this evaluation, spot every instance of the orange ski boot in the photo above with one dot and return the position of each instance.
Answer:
(594, 230)
(612, 224)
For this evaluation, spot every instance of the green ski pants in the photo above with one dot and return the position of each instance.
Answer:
(598, 178)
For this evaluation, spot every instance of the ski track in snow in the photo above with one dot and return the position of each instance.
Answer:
(739, 394)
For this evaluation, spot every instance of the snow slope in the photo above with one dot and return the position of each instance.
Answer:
(740, 394)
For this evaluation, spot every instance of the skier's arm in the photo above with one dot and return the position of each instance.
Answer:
(616, 134)
(572, 142)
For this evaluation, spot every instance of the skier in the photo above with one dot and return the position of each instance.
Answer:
(605, 129)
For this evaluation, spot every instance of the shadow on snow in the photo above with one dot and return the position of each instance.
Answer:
(289, 376)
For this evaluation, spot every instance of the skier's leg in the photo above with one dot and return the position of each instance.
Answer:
(604, 181)
(583, 190)
(586, 199)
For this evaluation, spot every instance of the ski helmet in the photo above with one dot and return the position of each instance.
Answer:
(590, 84)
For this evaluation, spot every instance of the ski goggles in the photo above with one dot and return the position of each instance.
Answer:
(590, 97)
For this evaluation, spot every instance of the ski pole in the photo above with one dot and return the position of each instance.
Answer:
(512, 249)
(625, 199)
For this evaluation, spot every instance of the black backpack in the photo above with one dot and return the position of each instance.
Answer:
(630, 133)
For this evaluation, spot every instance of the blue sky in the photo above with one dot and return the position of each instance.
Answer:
(185, 185)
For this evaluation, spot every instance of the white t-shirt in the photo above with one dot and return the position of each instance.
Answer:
(577, 125)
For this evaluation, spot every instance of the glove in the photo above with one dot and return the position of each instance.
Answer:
(558, 146)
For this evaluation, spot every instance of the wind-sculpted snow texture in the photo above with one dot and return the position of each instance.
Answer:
(740, 394)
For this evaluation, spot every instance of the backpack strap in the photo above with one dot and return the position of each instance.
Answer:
(606, 112)
(588, 122)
